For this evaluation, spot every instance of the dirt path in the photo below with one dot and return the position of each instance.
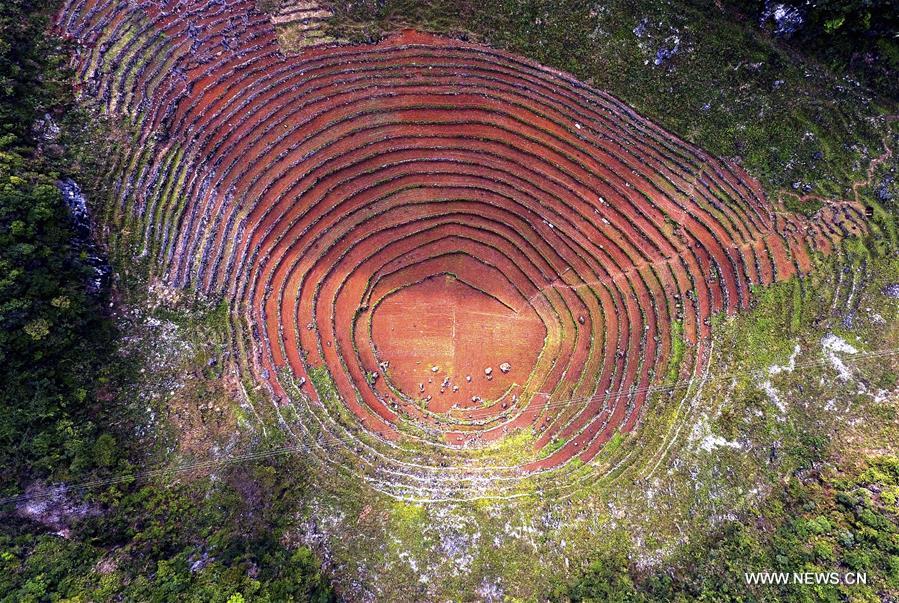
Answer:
(858, 184)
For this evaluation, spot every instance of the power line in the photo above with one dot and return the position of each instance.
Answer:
(265, 454)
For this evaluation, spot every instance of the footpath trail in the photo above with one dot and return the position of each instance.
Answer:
(317, 191)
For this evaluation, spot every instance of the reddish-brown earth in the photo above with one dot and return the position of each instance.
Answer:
(445, 324)
(427, 202)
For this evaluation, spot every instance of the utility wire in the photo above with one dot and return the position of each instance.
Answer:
(163, 471)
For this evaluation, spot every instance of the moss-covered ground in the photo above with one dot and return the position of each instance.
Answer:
(781, 455)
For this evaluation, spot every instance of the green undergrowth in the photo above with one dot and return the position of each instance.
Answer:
(108, 397)
(55, 336)
(716, 476)
(749, 483)
(201, 539)
(730, 87)
(844, 522)
(678, 348)
(808, 207)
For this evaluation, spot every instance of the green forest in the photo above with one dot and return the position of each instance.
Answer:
(222, 535)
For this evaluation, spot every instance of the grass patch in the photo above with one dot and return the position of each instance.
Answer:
(678, 348)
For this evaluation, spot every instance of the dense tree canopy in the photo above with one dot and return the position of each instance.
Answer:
(53, 332)
(859, 35)
(204, 540)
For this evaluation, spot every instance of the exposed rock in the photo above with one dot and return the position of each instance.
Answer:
(832, 345)
(76, 203)
(45, 129)
(198, 563)
(668, 51)
(54, 507)
(787, 18)
(640, 30)
(892, 290)
(883, 189)
(490, 590)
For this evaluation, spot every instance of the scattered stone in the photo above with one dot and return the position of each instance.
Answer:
(82, 242)
(883, 189)
(640, 29)
(434, 369)
(54, 507)
(488, 371)
(667, 52)
(787, 18)
(46, 130)
(505, 367)
(468, 378)
(892, 290)
(197, 564)
(581, 319)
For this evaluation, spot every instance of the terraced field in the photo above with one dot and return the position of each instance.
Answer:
(430, 248)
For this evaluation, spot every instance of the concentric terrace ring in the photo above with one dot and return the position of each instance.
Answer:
(434, 245)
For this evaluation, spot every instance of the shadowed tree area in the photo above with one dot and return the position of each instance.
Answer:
(60, 419)
(843, 522)
(230, 534)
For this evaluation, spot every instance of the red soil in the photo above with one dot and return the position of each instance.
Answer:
(429, 202)
(446, 324)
